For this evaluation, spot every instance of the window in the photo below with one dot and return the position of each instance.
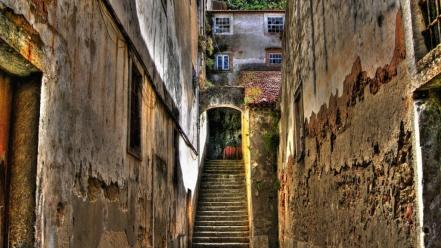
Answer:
(431, 10)
(222, 25)
(299, 125)
(275, 24)
(222, 62)
(275, 58)
(135, 111)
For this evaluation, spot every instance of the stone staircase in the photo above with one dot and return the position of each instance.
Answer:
(222, 212)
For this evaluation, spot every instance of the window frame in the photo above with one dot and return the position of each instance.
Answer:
(223, 55)
(432, 24)
(277, 27)
(216, 27)
(134, 65)
(272, 53)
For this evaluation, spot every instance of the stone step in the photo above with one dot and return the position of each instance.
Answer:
(218, 161)
(223, 193)
(216, 179)
(238, 167)
(225, 190)
(224, 177)
(222, 172)
(228, 223)
(229, 204)
(220, 208)
(225, 167)
(222, 245)
(235, 176)
(215, 239)
(224, 186)
(220, 228)
(222, 211)
(222, 234)
(222, 218)
(217, 184)
(208, 182)
(231, 213)
(233, 198)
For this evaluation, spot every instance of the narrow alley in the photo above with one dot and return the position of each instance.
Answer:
(220, 123)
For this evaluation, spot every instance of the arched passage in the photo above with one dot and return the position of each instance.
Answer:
(224, 135)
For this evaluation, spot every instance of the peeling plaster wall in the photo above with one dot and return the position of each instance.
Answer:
(90, 191)
(246, 45)
(357, 171)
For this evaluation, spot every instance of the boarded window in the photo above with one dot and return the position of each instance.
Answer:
(222, 25)
(275, 24)
(299, 125)
(135, 111)
(431, 10)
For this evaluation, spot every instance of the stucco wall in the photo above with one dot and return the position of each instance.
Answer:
(90, 191)
(246, 45)
(357, 171)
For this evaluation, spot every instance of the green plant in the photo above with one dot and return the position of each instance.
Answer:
(256, 4)
(210, 64)
(208, 84)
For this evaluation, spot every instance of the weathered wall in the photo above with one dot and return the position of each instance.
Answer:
(357, 170)
(246, 45)
(90, 192)
(429, 116)
(263, 140)
(215, 97)
(171, 39)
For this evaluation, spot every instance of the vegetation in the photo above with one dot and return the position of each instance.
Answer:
(256, 4)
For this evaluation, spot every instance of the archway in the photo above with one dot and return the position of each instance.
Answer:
(224, 136)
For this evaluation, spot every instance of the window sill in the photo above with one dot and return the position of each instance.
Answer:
(135, 154)
(428, 69)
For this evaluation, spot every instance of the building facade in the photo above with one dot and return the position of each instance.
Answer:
(244, 40)
(99, 116)
(358, 126)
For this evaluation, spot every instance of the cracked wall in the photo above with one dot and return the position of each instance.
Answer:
(89, 191)
(354, 186)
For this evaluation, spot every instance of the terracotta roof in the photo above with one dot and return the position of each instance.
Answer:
(262, 88)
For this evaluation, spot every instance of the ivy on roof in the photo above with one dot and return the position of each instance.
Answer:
(256, 4)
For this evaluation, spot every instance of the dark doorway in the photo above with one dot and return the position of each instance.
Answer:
(20, 87)
(225, 140)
